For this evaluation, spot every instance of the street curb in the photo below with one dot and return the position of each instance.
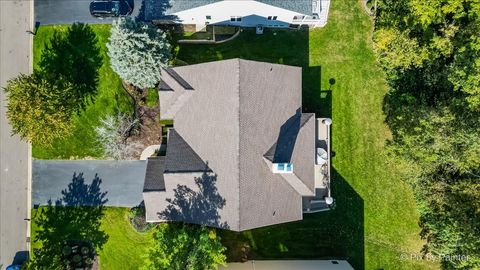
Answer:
(29, 160)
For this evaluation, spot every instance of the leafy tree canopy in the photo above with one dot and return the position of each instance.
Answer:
(185, 247)
(41, 105)
(137, 52)
(35, 109)
(430, 50)
(440, 36)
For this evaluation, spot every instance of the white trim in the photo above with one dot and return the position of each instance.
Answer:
(252, 12)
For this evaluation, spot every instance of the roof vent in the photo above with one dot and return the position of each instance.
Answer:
(282, 168)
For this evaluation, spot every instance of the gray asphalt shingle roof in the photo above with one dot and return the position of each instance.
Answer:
(300, 6)
(282, 150)
(160, 8)
(233, 117)
(181, 158)
(154, 180)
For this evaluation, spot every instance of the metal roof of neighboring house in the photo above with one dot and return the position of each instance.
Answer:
(161, 8)
(154, 180)
(233, 117)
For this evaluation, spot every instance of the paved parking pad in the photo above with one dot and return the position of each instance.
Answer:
(122, 180)
(49, 12)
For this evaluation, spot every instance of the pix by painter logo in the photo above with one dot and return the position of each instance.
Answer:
(433, 257)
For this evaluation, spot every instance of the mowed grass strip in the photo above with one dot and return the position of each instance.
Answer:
(109, 100)
(126, 248)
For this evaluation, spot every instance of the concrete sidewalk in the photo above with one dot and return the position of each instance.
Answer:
(15, 57)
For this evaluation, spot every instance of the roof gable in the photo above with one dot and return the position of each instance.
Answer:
(154, 180)
(165, 8)
(300, 6)
(180, 157)
(233, 116)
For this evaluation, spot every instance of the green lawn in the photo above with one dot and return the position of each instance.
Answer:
(125, 247)
(110, 99)
(375, 220)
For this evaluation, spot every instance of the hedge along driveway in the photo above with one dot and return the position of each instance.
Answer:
(122, 180)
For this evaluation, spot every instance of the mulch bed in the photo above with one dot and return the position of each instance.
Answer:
(149, 131)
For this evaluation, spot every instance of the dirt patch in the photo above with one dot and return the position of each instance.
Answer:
(149, 130)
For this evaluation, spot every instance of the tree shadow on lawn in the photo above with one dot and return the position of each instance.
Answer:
(75, 216)
(334, 234)
(73, 58)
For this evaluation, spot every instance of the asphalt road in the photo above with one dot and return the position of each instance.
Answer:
(69, 11)
(122, 180)
(15, 57)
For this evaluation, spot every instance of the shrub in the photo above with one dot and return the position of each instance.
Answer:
(35, 109)
(137, 219)
(137, 52)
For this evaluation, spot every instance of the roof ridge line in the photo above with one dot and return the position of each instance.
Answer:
(238, 144)
(308, 119)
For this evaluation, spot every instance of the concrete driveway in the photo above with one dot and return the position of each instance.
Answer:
(69, 11)
(122, 180)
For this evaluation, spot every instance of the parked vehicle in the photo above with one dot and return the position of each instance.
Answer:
(111, 8)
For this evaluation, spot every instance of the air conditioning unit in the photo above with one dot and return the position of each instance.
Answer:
(282, 168)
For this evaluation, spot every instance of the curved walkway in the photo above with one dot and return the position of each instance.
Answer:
(122, 180)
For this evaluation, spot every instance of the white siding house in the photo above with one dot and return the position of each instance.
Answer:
(245, 13)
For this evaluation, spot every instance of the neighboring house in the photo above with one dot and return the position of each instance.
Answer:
(289, 265)
(241, 154)
(194, 15)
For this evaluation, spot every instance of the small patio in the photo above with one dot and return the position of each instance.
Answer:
(322, 200)
(210, 34)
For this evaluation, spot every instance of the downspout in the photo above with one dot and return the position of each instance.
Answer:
(329, 160)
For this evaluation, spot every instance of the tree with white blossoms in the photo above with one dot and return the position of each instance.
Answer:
(112, 134)
(137, 51)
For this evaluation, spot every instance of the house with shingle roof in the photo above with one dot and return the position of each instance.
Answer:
(197, 14)
(241, 153)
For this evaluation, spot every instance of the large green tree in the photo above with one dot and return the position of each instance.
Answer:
(437, 38)
(35, 109)
(40, 106)
(430, 50)
(179, 246)
(138, 51)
